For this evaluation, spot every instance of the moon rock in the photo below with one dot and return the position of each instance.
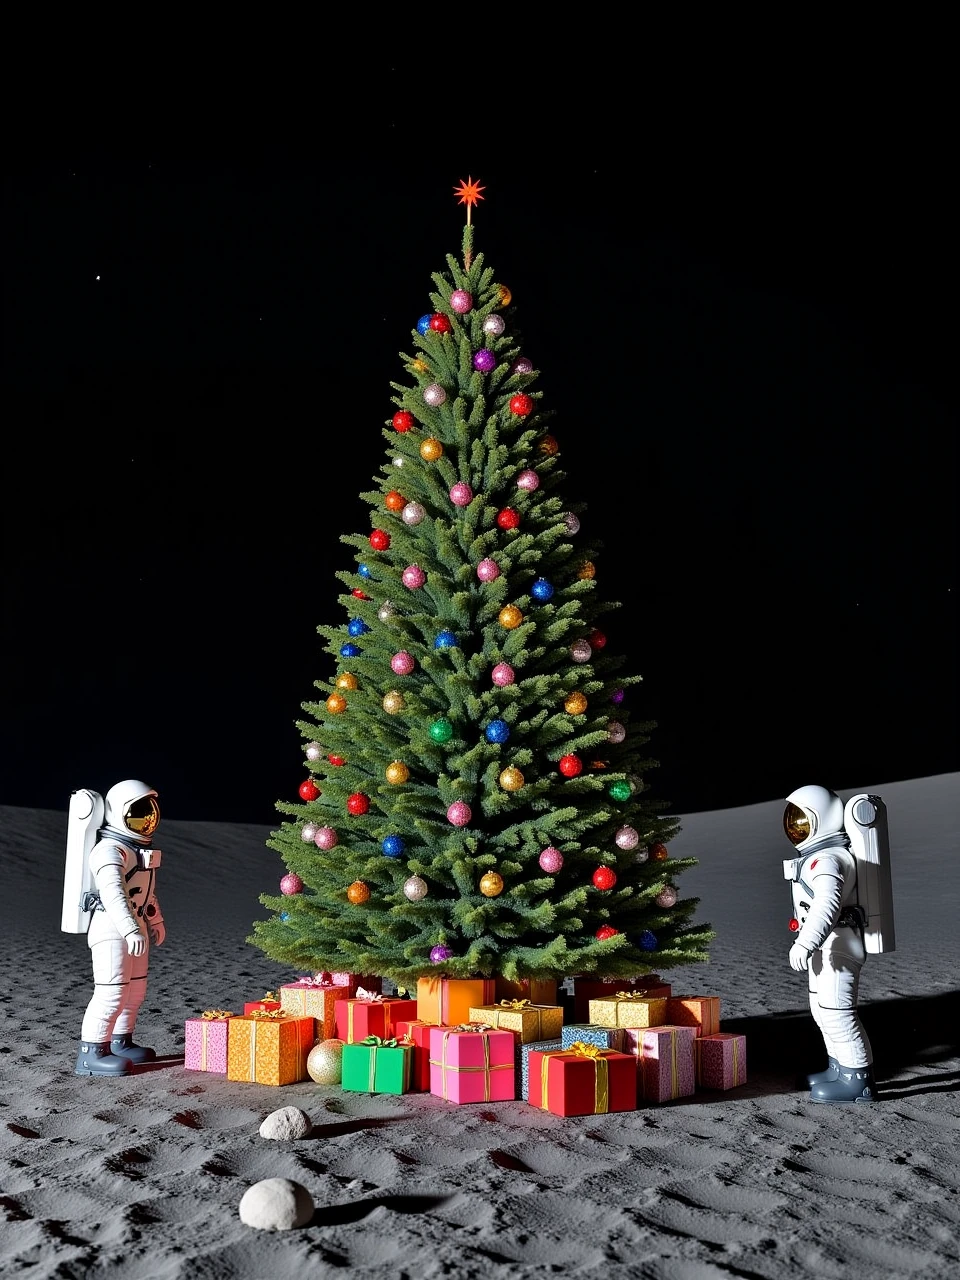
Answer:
(285, 1124)
(276, 1204)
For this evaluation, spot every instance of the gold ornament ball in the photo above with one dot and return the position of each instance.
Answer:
(547, 446)
(358, 892)
(324, 1062)
(511, 779)
(421, 366)
(658, 853)
(587, 571)
(347, 681)
(431, 449)
(491, 884)
(506, 297)
(393, 702)
(397, 772)
(336, 703)
(510, 616)
(575, 705)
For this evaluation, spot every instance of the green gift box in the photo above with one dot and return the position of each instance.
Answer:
(375, 1065)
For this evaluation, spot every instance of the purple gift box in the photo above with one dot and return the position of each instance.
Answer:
(666, 1065)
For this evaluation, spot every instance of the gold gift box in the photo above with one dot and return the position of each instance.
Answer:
(269, 1050)
(533, 1021)
(628, 1009)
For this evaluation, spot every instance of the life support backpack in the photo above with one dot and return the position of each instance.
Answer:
(865, 822)
(84, 820)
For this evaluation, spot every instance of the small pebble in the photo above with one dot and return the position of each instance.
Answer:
(276, 1204)
(286, 1124)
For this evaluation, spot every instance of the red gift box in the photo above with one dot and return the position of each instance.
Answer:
(206, 1040)
(473, 1065)
(419, 1033)
(666, 1067)
(702, 1012)
(587, 989)
(720, 1060)
(582, 1080)
(355, 981)
(268, 1002)
(359, 1018)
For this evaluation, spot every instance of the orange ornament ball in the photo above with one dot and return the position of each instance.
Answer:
(431, 449)
(511, 779)
(394, 501)
(506, 297)
(397, 773)
(358, 892)
(510, 617)
(547, 446)
(347, 680)
(575, 705)
(658, 852)
(587, 571)
(336, 703)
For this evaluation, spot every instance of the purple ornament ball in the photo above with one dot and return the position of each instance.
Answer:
(616, 697)
(522, 365)
(439, 954)
(551, 860)
(484, 361)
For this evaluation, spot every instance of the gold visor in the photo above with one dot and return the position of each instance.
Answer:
(143, 816)
(796, 824)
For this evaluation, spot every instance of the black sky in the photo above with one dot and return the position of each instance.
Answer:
(755, 395)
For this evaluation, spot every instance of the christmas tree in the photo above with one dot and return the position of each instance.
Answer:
(476, 803)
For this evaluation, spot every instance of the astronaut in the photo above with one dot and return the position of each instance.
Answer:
(829, 942)
(125, 920)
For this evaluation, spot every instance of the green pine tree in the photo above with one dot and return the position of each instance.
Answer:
(513, 707)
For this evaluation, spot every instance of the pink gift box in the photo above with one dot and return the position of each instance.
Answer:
(473, 1066)
(721, 1060)
(206, 1044)
(666, 1064)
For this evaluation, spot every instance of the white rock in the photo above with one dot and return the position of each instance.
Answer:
(287, 1123)
(276, 1204)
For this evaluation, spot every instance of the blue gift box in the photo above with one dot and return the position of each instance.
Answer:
(525, 1051)
(588, 1033)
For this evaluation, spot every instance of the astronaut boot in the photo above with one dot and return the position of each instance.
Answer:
(124, 1047)
(97, 1060)
(821, 1077)
(852, 1084)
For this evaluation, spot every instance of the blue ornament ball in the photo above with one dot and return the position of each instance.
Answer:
(284, 916)
(647, 941)
(445, 640)
(497, 731)
(364, 571)
(357, 626)
(541, 589)
(423, 325)
(392, 846)
(349, 651)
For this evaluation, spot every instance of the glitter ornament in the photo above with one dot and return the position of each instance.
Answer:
(667, 897)
(346, 680)
(494, 325)
(627, 838)
(413, 513)
(336, 761)
(325, 1062)
(402, 663)
(439, 323)
(291, 883)
(604, 878)
(491, 884)
(647, 941)
(484, 361)
(587, 571)
(423, 325)
(615, 731)
(570, 766)
(508, 518)
(571, 523)
(461, 495)
(392, 846)
(459, 814)
(521, 405)
(440, 953)
(547, 445)
(308, 831)
(441, 730)
(445, 640)
(394, 501)
(502, 675)
(497, 731)
(461, 301)
(434, 395)
(575, 705)
(541, 590)
(357, 626)
(397, 773)
(386, 611)
(358, 892)
(358, 804)
(511, 779)
(521, 365)
(284, 916)
(619, 790)
(617, 697)
(606, 931)
(510, 617)
(658, 852)
(641, 855)
(580, 651)
(403, 421)
(379, 540)
(349, 651)
(414, 577)
(415, 889)
(393, 702)
(551, 860)
(313, 752)
(528, 481)
(336, 704)
(399, 460)
(506, 297)
(364, 571)
(431, 449)
(596, 639)
(421, 366)
(360, 595)
(309, 790)
(326, 838)
(488, 570)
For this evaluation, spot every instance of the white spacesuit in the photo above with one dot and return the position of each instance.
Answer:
(124, 921)
(829, 943)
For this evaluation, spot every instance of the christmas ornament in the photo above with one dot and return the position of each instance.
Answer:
(528, 481)
(647, 941)
(397, 773)
(441, 730)
(484, 361)
(506, 297)
(393, 702)
(619, 790)
(521, 365)
(548, 446)
(324, 1062)
(386, 611)
(394, 501)
(615, 731)
(379, 540)
(508, 518)
(606, 931)
(439, 323)
(511, 779)
(459, 813)
(599, 764)
(580, 651)
(392, 846)
(596, 639)
(488, 570)
(461, 495)
(402, 663)
(325, 838)
(309, 790)
(413, 513)
(358, 804)
(349, 651)
(439, 954)
(403, 421)
(364, 571)
(358, 892)
(313, 752)
(431, 449)
(415, 889)
(291, 883)
(502, 675)
(336, 704)
(423, 325)
(399, 460)
(421, 366)
(284, 916)
(510, 617)
(491, 884)
(360, 595)
(497, 731)
(658, 852)
(434, 395)
(570, 766)
(587, 571)
(445, 640)
(551, 860)
(414, 577)
(541, 590)
(617, 697)
(461, 301)
(604, 878)
(357, 626)
(521, 405)
(627, 838)
(641, 855)
(308, 831)
(336, 761)
(571, 523)
(494, 325)
(575, 705)
(667, 897)
(346, 680)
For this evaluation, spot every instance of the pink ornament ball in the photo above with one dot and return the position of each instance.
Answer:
(667, 897)
(522, 365)
(488, 570)
(551, 860)
(502, 675)
(627, 838)
(326, 838)
(308, 831)
(402, 663)
(528, 480)
(580, 651)
(414, 577)
(459, 813)
(291, 883)
(461, 495)
(461, 301)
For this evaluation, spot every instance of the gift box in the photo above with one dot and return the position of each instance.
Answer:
(628, 1009)
(269, 1048)
(309, 998)
(265, 1005)
(536, 990)
(446, 1002)
(587, 1033)
(354, 981)
(206, 1041)
(375, 1065)
(523, 1053)
(530, 1021)
(371, 1015)
(587, 989)
(473, 1064)
(720, 1060)
(582, 1080)
(702, 1012)
(419, 1033)
(666, 1065)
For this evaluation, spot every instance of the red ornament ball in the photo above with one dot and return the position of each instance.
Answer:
(309, 790)
(336, 760)
(508, 518)
(596, 639)
(604, 878)
(439, 323)
(606, 931)
(521, 405)
(379, 540)
(291, 883)
(403, 421)
(361, 595)
(570, 766)
(358, 804)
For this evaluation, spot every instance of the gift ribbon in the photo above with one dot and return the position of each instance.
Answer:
(674, 1067)
(521, 1007)
(487, 1067)
(318, 980)
(514, 1004)
(369, 998)
(211, 1015)
(364, 994)
(601, 1074)
(270, 1014)
(377, 1042)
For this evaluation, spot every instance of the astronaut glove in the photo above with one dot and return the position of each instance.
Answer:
(158, 932)
(136, 943)
(799, 957)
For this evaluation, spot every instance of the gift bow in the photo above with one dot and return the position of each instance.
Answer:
(630, 995)
(269, 995)
(514, 1004)
(364, 994)
(210, 1015)
(273, 1014)
(585, 1050)
(318, 980)
(474, 1026)
(380, 1043)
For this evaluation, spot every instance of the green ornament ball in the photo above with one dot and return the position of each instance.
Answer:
(441, 730)
(619, 790)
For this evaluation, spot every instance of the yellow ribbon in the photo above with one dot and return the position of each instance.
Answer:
(584, 1050)
(272, 1015)
(253, 1050)
(269, 995)
(211, 1015)
(736, 1061)
(514, 1004)
(674, 1072)
(630, 995)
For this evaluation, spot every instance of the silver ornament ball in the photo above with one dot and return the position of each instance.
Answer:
(615, 731)
(494, 325)
(415, 889)
(386, 611)
(413, 513)
(581, 651)
(627, 838)
(434, 395)
(571, 523)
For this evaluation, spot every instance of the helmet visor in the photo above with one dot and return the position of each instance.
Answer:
(796, 824)
(143, 816)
